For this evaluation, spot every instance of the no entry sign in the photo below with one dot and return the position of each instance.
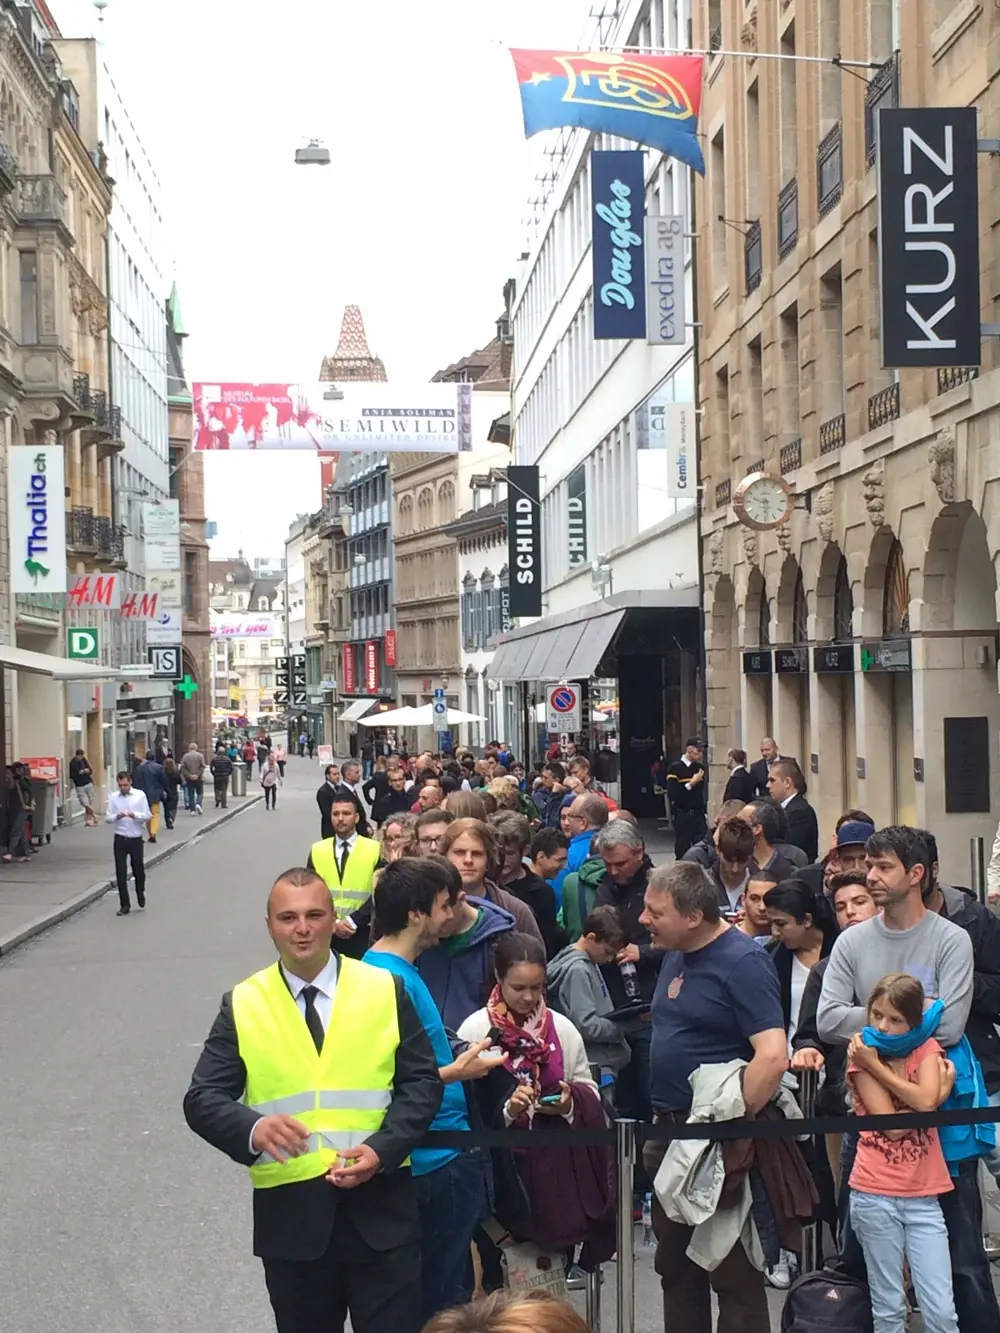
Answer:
(562, 708)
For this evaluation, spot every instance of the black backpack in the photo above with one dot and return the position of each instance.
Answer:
(827, 1302)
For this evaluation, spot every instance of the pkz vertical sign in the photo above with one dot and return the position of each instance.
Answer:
(524, 541)
(929, 236)
(618, 196)
(36, 485)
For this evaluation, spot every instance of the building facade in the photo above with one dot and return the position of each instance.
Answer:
(619, 556)
(862, 632)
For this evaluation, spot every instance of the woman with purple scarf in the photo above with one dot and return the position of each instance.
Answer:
(570, 1192)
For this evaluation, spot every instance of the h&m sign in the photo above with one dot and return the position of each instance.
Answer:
(928, 234)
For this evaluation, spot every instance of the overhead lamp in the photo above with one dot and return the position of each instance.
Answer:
(315, 154)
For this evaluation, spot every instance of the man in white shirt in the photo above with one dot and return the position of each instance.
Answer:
(129, 812)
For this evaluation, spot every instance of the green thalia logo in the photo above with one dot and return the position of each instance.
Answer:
(37, 501)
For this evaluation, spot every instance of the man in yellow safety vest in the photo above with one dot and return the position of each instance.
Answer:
(347, 863)
(319, 1076)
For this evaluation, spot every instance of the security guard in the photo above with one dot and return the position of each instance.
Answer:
(318, 1076)
(347, 864)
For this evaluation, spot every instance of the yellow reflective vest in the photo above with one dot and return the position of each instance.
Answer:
(340, 1094)
(356, 888)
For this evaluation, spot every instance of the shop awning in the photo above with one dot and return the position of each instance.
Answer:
(56, 668)
(357, 709)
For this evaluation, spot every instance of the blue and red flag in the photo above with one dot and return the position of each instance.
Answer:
(652, 100)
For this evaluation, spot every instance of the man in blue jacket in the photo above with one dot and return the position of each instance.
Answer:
(587, 815)
(458, 972)
(150, 778)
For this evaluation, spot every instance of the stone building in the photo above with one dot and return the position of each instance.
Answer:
(890, 553)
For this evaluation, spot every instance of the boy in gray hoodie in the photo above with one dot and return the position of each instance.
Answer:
(577, 989)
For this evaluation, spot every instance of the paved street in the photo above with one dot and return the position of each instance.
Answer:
(115, 1218)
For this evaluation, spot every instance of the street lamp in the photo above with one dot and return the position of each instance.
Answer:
(315, 154)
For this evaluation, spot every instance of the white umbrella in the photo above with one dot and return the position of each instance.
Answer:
(424, 717)
(393, 717)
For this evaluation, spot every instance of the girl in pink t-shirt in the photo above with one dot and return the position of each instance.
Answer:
(899, 1173)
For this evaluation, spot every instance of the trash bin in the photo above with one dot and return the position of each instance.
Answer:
(239, 778)
(43, 817)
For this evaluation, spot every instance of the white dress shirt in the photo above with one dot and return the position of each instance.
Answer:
(136, 809)
(789, 798)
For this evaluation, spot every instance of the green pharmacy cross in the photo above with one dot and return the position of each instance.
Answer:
(187, 687)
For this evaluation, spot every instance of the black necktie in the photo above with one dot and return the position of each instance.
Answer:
(345, 852)
(313, 1021)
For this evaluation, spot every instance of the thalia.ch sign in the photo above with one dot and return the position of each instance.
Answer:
(618, 197)
(928, 234)
(36, 487)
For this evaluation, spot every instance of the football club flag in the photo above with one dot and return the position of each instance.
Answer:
(652, 100)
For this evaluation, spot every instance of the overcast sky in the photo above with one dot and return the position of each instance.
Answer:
(417, 220)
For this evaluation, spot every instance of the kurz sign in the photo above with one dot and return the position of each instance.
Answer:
(929, 236)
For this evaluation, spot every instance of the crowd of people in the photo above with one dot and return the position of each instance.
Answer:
(547, 976)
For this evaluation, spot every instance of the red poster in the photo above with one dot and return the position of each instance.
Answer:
(371, 666)
(348, 683)
(390, 647)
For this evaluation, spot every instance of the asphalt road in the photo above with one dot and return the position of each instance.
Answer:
(114, 1218)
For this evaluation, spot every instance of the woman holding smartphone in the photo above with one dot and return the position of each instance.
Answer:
(570, 1195)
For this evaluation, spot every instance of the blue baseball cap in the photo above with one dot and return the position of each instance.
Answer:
(854, 833)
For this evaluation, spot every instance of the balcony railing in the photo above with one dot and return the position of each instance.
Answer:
(829, 171)
(114, 423)
(832, 434)
(883, 406)
(790, 456)
(99, 407)
(722, 493)
(81, 391)
(882, 90)
(81, 534)
(41, 199)
(753, 257)
(756, 465)
(950, 377)
(788, 218)
(110, 538)
(8, 169)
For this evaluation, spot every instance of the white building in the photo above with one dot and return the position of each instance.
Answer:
(620, 604)
(294, 578)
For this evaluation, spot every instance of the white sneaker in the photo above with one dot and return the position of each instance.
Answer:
(780, 1275)
(198, 810)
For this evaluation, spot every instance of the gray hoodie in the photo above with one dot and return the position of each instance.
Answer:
(577, 990)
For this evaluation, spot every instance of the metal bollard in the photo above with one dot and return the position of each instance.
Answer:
(808, 1087)
(592, 1291)
(625, 1130)
(977, 852)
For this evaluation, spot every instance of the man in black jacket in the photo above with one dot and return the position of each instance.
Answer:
(396, 801)
(787, 786)
(222, 770)
(346, 1239)
(760, 769)
(686, 794)
(333, 789)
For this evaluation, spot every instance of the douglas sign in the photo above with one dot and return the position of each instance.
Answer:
(929, 236)
(619, 190)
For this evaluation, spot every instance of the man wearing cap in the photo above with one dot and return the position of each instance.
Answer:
(686, 794)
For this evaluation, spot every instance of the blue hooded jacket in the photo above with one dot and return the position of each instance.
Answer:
(579, 851)
(460, 983)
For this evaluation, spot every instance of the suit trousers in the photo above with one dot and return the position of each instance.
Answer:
(129, 849)
(379, 1289)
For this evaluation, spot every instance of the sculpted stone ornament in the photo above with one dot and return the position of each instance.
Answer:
(751, 547)
(873, 488)
(941, 455)
(784, 536)
(822, 507)
(714, 552)
(748, 34)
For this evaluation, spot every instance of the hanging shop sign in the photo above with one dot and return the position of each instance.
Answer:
(834, 659)
(432, 418)
(666, 319)
(161, 534)
(371, 666)
(618, 201)
(791, 661)
(886, 655)
(679, 421)
(757, 662)
(390, 647)
(36, 504)
(524, 541)
(347, 673)
(102, 592)
(928, 199)
(576, 516)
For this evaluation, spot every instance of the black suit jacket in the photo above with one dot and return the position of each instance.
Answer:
(295, 1222)
(742, 786)
(803, 827)
(325, 798)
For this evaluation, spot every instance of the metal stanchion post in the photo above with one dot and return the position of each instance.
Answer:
(592, 1291)
(808, 1087)
(626, 1225)
(977, 849)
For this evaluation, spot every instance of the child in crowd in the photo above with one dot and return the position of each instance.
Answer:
(577, 990)
(899, 1173)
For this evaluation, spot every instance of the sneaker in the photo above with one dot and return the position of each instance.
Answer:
(122, 911)
(152, 837)
(198, 810)
(141, 899)
(780, 1275)
(576, 1278)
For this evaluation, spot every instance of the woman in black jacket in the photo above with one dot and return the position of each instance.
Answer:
(804, 928)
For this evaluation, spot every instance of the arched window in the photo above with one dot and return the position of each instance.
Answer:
(406, 515)
(263, 604)
(896, 597)
(800, 612)
(843, 606)
(425, 509)
(446, 502)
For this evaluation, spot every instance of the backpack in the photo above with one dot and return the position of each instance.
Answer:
(827, 1302)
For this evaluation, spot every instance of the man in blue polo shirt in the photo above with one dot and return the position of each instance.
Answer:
(414, 901)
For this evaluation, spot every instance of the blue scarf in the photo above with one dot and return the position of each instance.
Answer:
(959, 1143)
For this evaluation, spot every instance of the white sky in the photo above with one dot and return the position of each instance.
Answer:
(417, 220)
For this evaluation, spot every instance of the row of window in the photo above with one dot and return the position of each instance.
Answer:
(431, 510)
(484, 609)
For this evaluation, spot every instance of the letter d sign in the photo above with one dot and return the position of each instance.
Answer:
(82, 643)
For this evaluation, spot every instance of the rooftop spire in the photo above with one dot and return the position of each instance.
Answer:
(353, 359)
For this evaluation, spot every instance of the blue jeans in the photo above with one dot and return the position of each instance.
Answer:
(453, 1200)
(889, 1228)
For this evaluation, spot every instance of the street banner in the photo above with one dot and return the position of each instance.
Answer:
(101, 592)
(650, 99)
(36, 507)
(390, 648)
(371, 666)
(430, 418)
(524, 541)
(928, 236)
(618, 203)
(666, 318)
(241, 625)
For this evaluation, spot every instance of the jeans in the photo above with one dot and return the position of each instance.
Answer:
(170, 808)
(889, 1228)
(270, 798)
(971, 1275)
(453, 1200)
(993, 1161)
(193, 792)
(17, 838)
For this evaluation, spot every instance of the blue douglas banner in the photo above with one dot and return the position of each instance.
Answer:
(618, 197)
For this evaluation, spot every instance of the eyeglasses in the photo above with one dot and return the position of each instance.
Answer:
(428, 842)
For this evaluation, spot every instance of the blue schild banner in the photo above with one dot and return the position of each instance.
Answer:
(618, 199)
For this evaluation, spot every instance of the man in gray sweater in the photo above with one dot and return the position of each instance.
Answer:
(906, 937)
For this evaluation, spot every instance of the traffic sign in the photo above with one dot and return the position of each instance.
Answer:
(440, 708)
(563, 708)
(82, 643)
(439, 692)
(165, 663)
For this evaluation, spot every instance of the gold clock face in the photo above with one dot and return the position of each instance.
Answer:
(763, 502)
